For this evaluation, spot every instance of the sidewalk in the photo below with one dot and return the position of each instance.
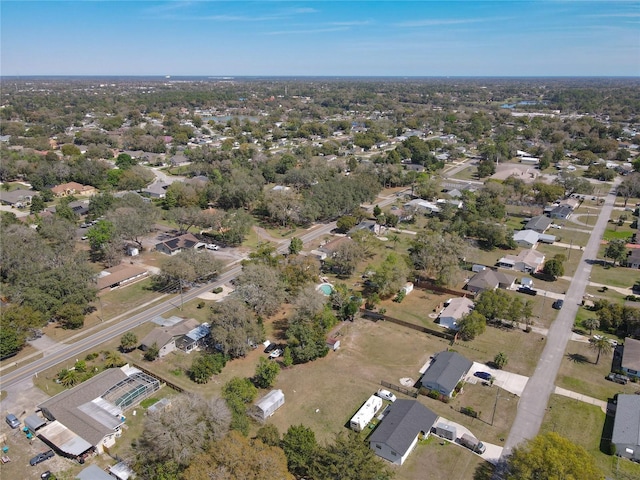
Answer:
(583, 398)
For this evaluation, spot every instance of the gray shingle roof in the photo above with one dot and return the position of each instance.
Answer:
(539, 223)
(631, 354)
(405, 420)
(626, 427)
(446, 370)
(65, 407)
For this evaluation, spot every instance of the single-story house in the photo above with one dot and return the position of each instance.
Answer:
(119, 276)
(561, 212)
(455, 309)
(631, 357)
(73, 188)
(539, 224)
(18, 198)
(166, 338)
(633, 259)
(176, 245)
(157, 189)
(626, 427)
(490, 280)
(331, 247)
(372, 226)
(403, 424)
(529, 261)
(445, 372)
(89, 416)
(194, 339)
(423, 206)
(526, 238)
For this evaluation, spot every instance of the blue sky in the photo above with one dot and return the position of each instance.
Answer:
(354, 38)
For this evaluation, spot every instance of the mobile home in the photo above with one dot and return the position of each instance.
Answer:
(366, 413)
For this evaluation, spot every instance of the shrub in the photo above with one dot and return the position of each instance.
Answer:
(433, 394)
(469, 412)
(400, 296)
(200, 304)
(91, 356)
(217, 290)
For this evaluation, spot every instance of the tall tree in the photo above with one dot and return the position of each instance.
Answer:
(438, 255)
(166, 438)
(266, 373)
(233, 327)
(616, 250)
(550, 456)
(600, 344)
(236, 457)
(299, 445)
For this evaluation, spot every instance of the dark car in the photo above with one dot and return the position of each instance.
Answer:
(616, 377)
(41, 457)
(558, 304)
(271, 347)
(483, 375)
(528, 291)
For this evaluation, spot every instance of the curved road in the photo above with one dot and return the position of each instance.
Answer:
(533, 403)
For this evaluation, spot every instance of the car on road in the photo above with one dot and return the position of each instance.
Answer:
(483, 375)
(41, 457)
(275, 353)
(617, 378)
(212, 246)
(558, 304)
(386, 395)
(12, 420)
(528, 291)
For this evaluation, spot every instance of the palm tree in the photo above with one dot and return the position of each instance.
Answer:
(112, 359)
(600, 344)
(395, 238)
(68, 378)
(591, 324)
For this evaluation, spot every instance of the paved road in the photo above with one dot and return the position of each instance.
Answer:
(535, 397)
(73, 351)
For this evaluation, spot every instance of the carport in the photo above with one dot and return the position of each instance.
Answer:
(64, 440)
(34, 422)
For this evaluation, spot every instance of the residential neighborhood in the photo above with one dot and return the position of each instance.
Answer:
(173, 270)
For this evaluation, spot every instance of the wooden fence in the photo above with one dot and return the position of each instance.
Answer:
(375, 316)
(409, 392)
(424, 285)
(158, 377)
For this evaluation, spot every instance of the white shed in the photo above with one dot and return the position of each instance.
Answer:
(268, 404)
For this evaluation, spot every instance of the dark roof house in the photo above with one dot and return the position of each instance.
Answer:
(445, 371)
(631, 357)
(405, 422)
(538, 224)
(489, 280)
(626, 427)
(177, 244)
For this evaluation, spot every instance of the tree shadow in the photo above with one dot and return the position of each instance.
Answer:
(280, 328)
(577, 358)
(485, 471)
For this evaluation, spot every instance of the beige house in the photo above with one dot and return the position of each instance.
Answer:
(73, 188)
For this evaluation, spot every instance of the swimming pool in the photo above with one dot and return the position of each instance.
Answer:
(325, 288)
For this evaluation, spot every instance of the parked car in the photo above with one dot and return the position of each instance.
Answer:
(41, 457)
(45, 475)
(271, 347)
(483, 375)
(528, 291)
(212, 246)
(558, 304)
(617, 378)
(275, 353)
(12, 420)
(386, 395)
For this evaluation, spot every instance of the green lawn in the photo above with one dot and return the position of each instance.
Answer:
(615, 276)
(588, 432)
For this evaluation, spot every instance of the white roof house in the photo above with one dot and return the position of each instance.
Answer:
(526, 238)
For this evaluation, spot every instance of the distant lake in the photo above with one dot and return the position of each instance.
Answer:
(226, 118)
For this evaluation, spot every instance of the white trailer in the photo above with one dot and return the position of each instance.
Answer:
(366, 413)
(267, 405)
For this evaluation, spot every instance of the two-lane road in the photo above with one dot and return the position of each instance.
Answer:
(75, 349)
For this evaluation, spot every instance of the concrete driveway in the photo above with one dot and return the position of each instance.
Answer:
(492, 453)
(511, 382)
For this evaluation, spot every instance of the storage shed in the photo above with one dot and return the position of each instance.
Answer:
(268, 404)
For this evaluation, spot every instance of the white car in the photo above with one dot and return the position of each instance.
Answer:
(276, 353)
(386, 395)
(212, 246)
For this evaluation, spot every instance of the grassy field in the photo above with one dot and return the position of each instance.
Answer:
(589, 432)
(579, 373)
(572, 256)
(615, 276)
